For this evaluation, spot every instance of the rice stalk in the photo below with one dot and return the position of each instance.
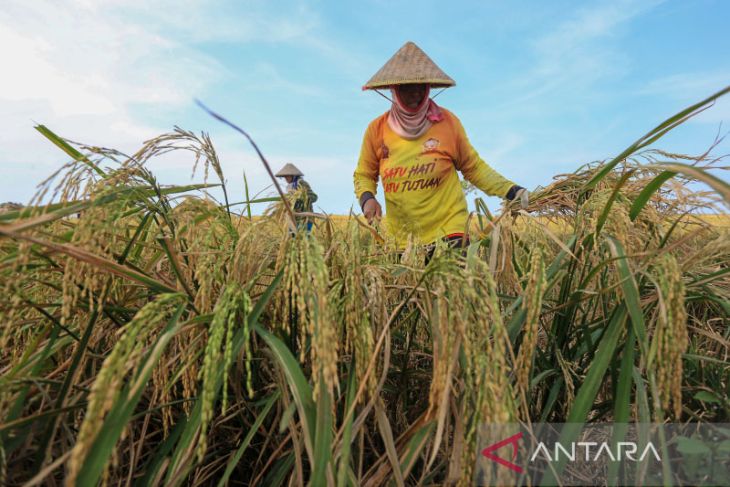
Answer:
(233, 305)
(671, 333)
(534, 292)
(125, 355)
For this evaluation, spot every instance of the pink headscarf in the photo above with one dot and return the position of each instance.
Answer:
(412, 123)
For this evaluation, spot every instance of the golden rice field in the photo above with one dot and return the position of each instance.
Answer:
(153, 336)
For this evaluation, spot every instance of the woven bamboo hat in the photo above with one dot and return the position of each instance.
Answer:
(289, 170)
(409, 65)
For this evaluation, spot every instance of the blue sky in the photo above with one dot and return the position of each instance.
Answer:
(542, 87)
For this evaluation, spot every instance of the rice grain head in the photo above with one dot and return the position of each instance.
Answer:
(671, 333)
(488, 394)
(232, 306)
(532, 297)
(306, 305)
(125, 356)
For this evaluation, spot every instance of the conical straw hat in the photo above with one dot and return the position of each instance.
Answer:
(289, 170)
(409, 65)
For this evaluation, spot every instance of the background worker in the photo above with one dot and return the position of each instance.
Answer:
(415, 150)
(300, 194)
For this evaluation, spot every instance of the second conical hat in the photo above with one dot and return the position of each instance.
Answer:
(409, 65)
(289, 170)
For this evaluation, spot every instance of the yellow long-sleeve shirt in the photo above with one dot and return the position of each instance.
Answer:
(423, 194)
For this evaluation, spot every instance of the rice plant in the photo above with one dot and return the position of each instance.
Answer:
(150, 336)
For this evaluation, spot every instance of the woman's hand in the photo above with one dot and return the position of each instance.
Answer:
(524, 197)
(372, 210)
(518, 193)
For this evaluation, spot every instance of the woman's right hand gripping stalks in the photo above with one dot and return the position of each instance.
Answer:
(372, 210)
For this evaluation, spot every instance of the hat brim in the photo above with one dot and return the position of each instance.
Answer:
(289, 169)
(387, 84)
(410, 65)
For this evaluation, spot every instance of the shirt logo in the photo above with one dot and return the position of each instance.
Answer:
(431, 145)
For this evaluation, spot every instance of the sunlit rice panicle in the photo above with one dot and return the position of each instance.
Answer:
(287, 300)
(208, 248)
(245, 308)
(503, 409)
(532, 299)
(12, 305)
(671, 333)
(531, 235)
(305, 297)
(162, 389)
(123, 358)
(100, 230)
(504, 274)
(617, 221)
(179, 139)
(712, 250)
(363, 300)
(253, 254)
(376, 305)
(449, 314)
(567, 372)
(233, 304)
(186, 344)
(72, 181)
(444, 341)
(487, 397)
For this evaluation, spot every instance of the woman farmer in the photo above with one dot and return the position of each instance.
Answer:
(300, 193)
(415, 149)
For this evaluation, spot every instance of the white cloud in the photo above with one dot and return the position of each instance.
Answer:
(79, 70)
(265, 76)
(687, 85)
(574, 64)
(688, 88)
(220, 20)
(85, 67)
(505, 144)
(590, 23)
(89, 61)
(576, 53)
